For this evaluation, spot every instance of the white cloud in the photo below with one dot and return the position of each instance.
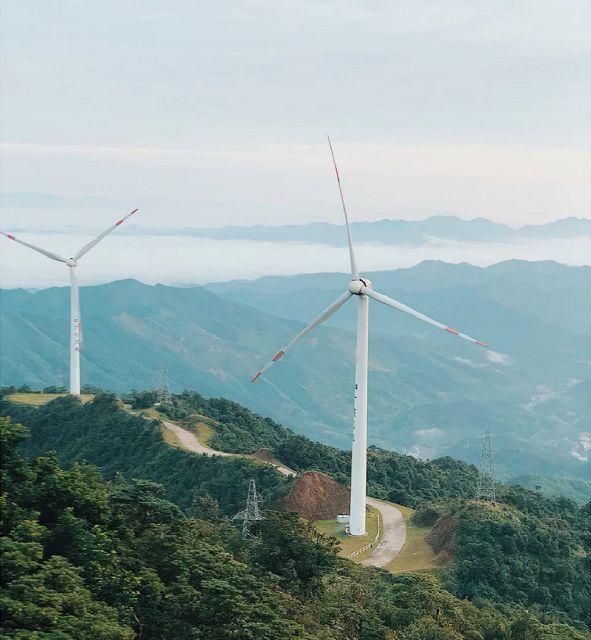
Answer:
(498, 358)
(193, 260)
(429, 433)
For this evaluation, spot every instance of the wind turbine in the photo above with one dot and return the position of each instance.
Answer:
(75, 322)
(362, 288)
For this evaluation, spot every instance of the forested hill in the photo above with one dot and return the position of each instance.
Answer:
(527, 551)
(105, 434)
(431, 395)
(88, 560)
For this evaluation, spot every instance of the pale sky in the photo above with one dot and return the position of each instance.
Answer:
(205, 114)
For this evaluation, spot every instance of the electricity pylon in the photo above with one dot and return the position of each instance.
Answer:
(485, 487)
(252, 512)
(163, 392)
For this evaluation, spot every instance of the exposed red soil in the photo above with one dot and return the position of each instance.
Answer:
(442, 537)
(316, 496)
(265, 455)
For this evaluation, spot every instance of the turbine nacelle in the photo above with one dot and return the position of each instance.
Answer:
(71, 262)
(356, 286)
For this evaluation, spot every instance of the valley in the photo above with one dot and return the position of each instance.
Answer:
(430, 396)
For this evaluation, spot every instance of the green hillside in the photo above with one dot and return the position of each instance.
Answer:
(103, 433)
(87, 560)
(529, 551)
(430, 395)
(526, 549)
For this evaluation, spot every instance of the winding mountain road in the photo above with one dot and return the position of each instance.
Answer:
(393, 531)
(189, 441)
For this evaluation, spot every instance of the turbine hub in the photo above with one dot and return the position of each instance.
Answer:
(355, 286)
(71, 262)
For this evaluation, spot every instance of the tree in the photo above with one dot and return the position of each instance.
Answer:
(294, 549)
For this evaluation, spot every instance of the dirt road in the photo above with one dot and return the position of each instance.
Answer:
(189, 441)
(393, 534)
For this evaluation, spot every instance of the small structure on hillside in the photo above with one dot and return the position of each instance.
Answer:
(163, 393)
(485, 487)
(251, 513)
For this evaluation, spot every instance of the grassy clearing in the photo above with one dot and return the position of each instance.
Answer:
(170, 438)
(151, 413)
(416, 554)
(349, 544)
(38, 399)
(203, 432)
(201, 426)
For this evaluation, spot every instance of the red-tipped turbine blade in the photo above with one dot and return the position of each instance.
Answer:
(87, 247)
(380, 297)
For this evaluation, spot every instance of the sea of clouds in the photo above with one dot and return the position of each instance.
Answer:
(180, 260)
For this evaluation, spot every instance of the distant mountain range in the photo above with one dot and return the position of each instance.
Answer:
(388, 231)
(429, 394)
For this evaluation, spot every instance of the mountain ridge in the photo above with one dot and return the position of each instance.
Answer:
(387, 230)
(429, 395)
(384, 231)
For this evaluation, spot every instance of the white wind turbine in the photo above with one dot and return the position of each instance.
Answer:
(362, 288)
(75, 321)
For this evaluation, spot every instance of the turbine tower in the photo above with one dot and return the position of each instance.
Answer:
(362, 288)
(485, 487)
(75, 321)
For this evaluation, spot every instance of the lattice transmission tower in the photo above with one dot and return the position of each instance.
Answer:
(163, 384)
(485, 487)
(252, 513)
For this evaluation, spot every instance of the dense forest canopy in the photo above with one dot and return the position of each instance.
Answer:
(84, 559)
(527, 551)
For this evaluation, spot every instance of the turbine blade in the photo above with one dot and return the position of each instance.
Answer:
(320, 318)
(49, 254)
(380, 297)
(87, 247)
(354, 271)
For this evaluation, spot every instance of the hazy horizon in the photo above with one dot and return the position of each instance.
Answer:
(202, 114)
(178, 260)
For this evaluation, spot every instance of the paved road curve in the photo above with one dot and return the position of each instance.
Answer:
(189, 441)
(393, 534)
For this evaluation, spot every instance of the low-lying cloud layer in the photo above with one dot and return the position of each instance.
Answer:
(191, 260)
